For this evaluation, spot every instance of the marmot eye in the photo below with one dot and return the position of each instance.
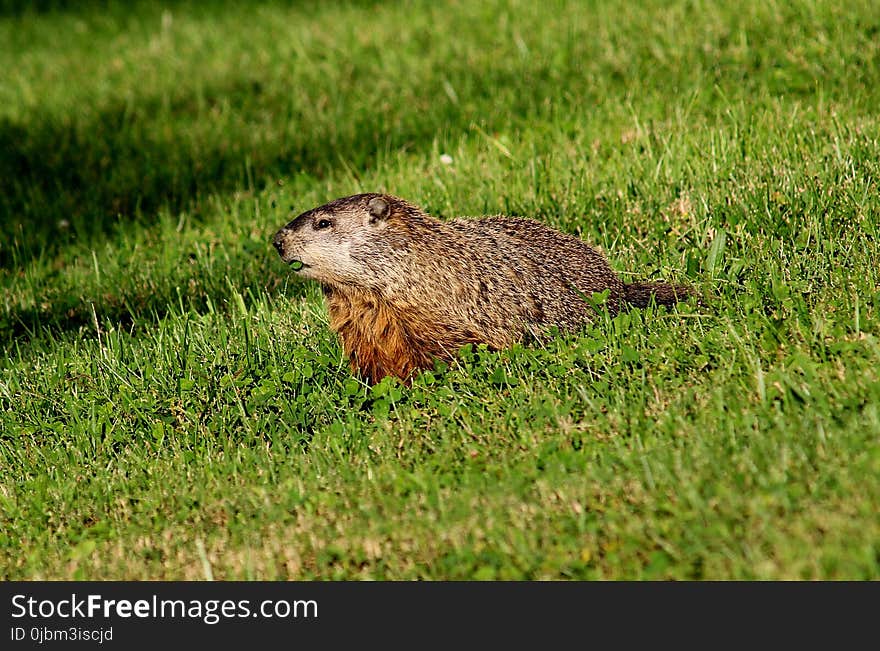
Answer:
(324, 223)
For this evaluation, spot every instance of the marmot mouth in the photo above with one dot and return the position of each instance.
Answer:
(298, 265)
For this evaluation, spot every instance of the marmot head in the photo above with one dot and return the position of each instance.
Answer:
(350, 241)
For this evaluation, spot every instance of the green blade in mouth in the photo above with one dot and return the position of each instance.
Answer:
(297, 265)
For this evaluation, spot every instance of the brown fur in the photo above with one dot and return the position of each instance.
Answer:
(641, 294)
(404, 288)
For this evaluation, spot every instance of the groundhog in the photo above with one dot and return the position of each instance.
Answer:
(404, 288)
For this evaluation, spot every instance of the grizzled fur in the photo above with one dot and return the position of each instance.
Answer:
(404, 288)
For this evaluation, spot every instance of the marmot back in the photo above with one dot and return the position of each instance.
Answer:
(404, 288)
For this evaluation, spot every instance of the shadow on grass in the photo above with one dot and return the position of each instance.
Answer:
(65, 177)
(74, 7)
(23, 7)
(86, 173)
(71, 179)
(132, 310)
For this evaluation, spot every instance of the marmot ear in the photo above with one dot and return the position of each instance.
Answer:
(379, 209)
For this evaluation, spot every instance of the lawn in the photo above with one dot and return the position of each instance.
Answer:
(173, 404)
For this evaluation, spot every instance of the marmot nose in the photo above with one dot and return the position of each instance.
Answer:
(278, 241)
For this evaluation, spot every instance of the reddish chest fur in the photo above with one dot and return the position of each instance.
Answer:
(381, 339)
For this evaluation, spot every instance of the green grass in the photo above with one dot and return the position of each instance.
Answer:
(170, 396)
